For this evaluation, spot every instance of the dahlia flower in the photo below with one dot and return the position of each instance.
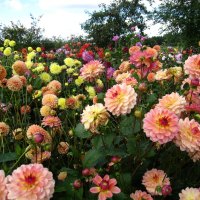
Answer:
(120, 77)
(3, 189)
(51, 121)
(4, 129)
(35, 129)
(188, 138)
(173, 102)
(106, 187)
(189, 194)
(92, 70)
(139, 195)
(120, 99)
(19, 67)
(155, 179)
(55, 86)
(14, 83)
(45, 77)
(55, 68)
(50, 100)
(3, 72)
(162, 75)
(45, 111)
(160, 125)
(192, 66)
(94, 116)
(63, 148)
(31, 181)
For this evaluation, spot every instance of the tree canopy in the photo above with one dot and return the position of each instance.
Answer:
(114, 19)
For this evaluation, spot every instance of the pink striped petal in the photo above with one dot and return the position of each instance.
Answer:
(112, 182)
(97, 180)
(115, 190)
(95, 189)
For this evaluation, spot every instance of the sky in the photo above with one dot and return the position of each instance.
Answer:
(60, 18)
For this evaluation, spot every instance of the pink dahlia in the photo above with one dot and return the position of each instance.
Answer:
(173, 102)
(192, 66)
(189, 194)
(106, 187)
(154, 180)
(188, 138)
(139, 195)
(3, 189)
(51, 121)
(160, 125)
(120, 99)
(31, 181)
(92, 70)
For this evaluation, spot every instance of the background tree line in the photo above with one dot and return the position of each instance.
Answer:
(180, 20)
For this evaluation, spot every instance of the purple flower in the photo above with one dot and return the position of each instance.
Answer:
(87, 57)
(70, 80)
(109, 72)
(115, 38)
(178, 57)
(143, 38)
(133, 28)
(139, 44)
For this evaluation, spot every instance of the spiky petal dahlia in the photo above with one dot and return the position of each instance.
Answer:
(3, 72)
(94, 116)
(31, 181)
(160, 125)
(37, 130)
(105, 186)
(4, 129)
(139, 195)
(3, 189)
(14, 83)
(120, 99)
(188, 138)
(51, 121)
(50, 100)
(192, 66)
(173, 102)
(189, 194)
(92, 70)
(154, 180)
(19, 67)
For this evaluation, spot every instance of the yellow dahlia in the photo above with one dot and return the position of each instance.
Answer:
(55, 68)
(45, 77)
(189, 194)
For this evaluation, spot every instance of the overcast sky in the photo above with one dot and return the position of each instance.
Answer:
(59, 17)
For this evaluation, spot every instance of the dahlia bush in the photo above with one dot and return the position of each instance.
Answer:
(87, 123)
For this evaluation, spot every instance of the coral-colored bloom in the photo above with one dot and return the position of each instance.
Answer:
(92, 70)
(45, 111)
(120, 99)
(130, 81)
(3, 189)
(188, 138)
(151, 77)
(134, 49)
(106, 187)
(25, 109)
(35, 129)
(31, 181)
(192, 66)
(189, 194)
(51, 121)
(120, 77)
(154, 180)
(14, 83)
(19, 67)
(94, 116)
(173, 102)
(50, 100)
(4, 129)
(161, 125)
(55, 86)
(3, 72)
(139, 195)
(125, 66)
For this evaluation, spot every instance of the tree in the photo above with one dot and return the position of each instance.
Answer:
(22, 35)
(180, 17)
(114, 19)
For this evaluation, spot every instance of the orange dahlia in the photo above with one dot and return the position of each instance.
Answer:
(4, 129)
(51, 121)
(14, 83)
(20, 67)
(139, 195)
(50, 100)
(3, 72)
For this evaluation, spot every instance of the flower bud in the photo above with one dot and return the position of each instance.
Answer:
(166, 190)
(77, 184)
(38, 138)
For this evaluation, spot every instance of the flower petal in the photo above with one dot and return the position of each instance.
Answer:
(95, 189)
(97, 180)
(115, 190)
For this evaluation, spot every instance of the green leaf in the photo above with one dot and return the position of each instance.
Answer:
(8, 157)
(132, 146)
(152, 98)
(81, 132)
(126, 125)
(92, 157)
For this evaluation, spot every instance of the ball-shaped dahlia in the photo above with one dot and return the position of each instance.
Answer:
(37, 130)
(92, 70)
(192, 66)
(155, 179)
(160, 125)
(50, 100)
(120, 99)
(173, 102)
(55, 86)
(3, 72)
(189, 193)
(4, 129)
(31, 181)
(188, 138)
(19, 67)
(140, 195)
(45, 111)
(94, 116)
(14, 83)
(3, 189)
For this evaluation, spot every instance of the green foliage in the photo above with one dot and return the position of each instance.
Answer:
(114, 19)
